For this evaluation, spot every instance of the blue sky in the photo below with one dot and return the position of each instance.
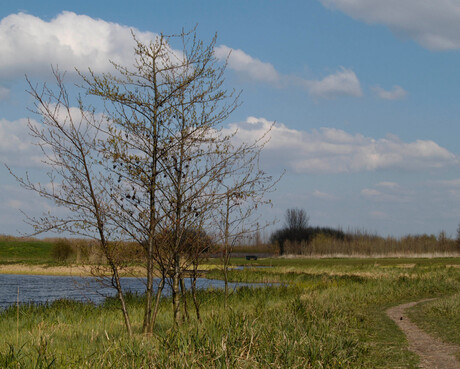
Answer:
(364, 93)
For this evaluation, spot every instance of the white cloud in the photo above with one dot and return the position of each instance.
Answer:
(323, 195)
(341, 83)
(433, 24)
(388, 192)
(381, 196)
(248, 66)
(397, 93)
(16, 148)
(330, 150)
(31, 45)
(344, 82)
(389, 185)
(4, 93)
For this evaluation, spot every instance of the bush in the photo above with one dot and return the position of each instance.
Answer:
(62, 250)
(291, 237)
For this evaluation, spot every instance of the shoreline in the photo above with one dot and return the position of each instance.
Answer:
(73, 270)
(77, 270)
(88, 270)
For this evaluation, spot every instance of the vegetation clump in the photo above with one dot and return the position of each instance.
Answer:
(62, 250)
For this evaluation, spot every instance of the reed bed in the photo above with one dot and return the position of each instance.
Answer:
(361, 244)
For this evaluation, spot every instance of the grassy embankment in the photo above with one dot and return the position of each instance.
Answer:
(329, 313)
(15, 250)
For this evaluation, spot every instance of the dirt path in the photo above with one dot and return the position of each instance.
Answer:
(433, 352)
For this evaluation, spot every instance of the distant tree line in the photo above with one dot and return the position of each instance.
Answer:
(296, 229)
(298, 237)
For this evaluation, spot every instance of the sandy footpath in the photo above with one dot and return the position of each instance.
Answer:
(434, 354)
(67, 270)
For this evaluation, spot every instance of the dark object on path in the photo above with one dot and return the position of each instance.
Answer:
(251, 257)
(433, 352)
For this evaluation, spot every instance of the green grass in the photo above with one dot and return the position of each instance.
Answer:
(354, 262)
(17, 250)
(326, 314)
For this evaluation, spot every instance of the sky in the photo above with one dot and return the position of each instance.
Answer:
(364, 94)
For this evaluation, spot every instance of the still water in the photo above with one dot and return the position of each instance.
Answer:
(41, 288)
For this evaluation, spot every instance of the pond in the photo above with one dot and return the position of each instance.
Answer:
(42, 288)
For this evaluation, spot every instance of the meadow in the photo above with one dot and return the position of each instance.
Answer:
(321, 313)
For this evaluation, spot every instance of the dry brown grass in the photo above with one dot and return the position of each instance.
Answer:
(69, 270)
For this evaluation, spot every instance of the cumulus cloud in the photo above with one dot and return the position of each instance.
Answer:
(30, 45)
(16, 148)
(397, 93)
(433, 24)
(341, 83)
(344, 82)
(248, 66)
(331, 150)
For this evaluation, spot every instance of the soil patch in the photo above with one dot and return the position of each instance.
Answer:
(433, 352)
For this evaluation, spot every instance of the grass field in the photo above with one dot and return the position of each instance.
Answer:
(30, 251)
(325, 313)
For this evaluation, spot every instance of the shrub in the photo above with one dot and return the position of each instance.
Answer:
(62, 250)
(287, 239)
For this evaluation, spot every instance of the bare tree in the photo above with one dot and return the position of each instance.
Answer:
(296, 219)
(166, 148)
(68, 138)
(243, 192)
(155, 166)
(139, 108)
(295, 229)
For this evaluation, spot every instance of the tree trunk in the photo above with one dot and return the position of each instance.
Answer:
(175, 291)
(157, 304)
(148, 292)
(184, 298)
(121, 297)
(195, 300)
(226, 250)
(225, 278)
